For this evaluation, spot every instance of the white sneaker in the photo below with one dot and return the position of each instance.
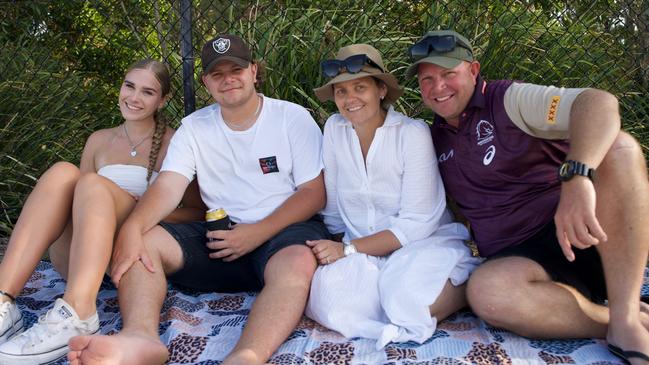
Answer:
(11, 321)
(47, 340)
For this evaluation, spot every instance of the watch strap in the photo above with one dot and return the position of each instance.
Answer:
(578, 168)
(349, 248)
(582, 169)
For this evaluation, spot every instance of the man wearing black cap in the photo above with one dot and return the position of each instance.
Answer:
(556, 195)
(259, 159)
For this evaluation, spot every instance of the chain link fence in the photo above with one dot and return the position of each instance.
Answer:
(62, 62)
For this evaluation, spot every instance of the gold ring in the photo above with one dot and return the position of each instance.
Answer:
(327, 260)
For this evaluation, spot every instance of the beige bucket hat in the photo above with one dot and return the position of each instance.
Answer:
(325, 92)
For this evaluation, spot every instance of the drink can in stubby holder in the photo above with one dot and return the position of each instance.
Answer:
(217, 219)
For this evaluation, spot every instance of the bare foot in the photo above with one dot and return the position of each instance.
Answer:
(121, 349)
(633, 337)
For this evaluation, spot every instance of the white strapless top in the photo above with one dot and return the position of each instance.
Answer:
(131, 178)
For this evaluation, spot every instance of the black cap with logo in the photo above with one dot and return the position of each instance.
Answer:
(225, 47)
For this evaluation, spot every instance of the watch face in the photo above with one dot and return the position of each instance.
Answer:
(349, 249)
(570, 168)
(565, 171)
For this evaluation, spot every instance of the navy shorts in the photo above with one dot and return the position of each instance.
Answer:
(585, 273)
(200, 272)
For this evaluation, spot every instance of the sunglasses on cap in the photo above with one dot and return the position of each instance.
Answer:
(437, 43)
(353, 64)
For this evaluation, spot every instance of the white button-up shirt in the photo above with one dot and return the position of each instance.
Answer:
(399, 188)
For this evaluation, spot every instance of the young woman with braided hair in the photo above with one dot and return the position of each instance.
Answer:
(75, 212)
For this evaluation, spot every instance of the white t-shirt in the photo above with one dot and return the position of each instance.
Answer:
(398, 188)
(248, 173)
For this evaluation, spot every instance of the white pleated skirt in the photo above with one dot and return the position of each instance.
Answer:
(388, 298)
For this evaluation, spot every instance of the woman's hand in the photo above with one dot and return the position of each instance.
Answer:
(128, 250)
(326, 251)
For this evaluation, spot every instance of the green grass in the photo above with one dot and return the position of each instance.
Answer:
(58, 85)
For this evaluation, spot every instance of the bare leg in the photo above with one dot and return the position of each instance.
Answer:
(43, 219)
(59, 251)
(141, 295)
(623, 210)
(99, 207)
(560, 311)
(273, 317)
(451, 299)
(517, 294)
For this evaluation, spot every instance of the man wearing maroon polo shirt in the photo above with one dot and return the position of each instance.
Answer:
(556, 194)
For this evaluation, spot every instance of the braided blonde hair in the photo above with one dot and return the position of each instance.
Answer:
(162, 75)
(156, 142)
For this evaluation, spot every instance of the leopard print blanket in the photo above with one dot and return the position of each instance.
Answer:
(201, 328)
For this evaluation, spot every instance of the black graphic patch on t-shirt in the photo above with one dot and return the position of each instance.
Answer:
(268, 164)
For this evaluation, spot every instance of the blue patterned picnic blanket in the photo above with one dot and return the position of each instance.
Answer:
(201, 328)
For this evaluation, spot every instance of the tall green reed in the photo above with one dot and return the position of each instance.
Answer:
(50, 104)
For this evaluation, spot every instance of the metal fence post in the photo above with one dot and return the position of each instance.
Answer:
(186, 52)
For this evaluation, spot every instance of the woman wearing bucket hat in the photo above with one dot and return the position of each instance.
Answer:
(402, 264)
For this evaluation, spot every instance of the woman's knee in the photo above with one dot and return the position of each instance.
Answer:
(65, 168)
(91, 184)
(61, 173)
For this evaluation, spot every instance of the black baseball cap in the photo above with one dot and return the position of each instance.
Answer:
(225, 47)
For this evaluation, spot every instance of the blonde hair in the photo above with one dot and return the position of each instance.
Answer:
(161, 73)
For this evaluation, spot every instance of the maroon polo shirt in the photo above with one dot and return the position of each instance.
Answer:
(504, 181)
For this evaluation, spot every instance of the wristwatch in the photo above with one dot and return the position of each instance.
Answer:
(570, 168)
(349, 247)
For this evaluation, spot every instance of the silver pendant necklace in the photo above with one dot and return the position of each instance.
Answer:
(133, 152)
